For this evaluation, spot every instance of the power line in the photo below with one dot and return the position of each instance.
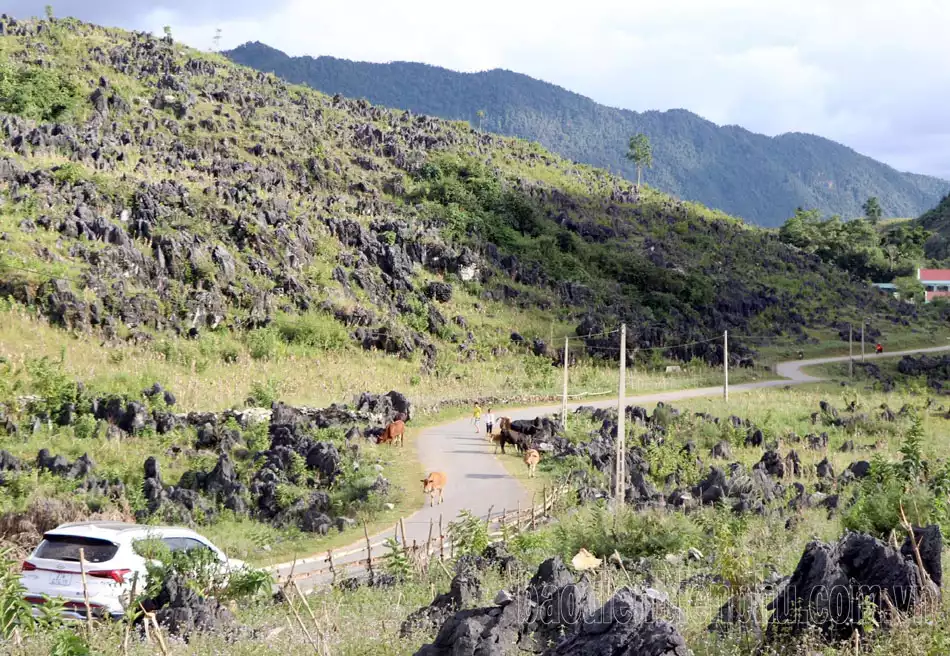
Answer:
(592, 335)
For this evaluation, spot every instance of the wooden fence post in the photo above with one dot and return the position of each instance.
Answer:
(369, 551)
(441, 540)
(402, 525)
(488, 519)
(429, 541)
(518, 518)
(85, 591)
(533, 498)
(332, 568)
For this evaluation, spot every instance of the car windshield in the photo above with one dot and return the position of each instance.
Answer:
(66, 547)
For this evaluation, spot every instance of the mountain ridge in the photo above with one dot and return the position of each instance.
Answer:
(758, 177)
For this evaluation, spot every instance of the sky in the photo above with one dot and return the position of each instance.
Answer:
(872, 74)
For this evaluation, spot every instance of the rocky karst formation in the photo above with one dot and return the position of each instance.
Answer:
(187, 194)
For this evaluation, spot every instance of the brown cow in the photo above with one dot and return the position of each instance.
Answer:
(532, 458)
(395, 431)
(504, 423)
(498, 439)
(434, 482)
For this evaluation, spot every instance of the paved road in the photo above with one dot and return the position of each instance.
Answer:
(478, 481)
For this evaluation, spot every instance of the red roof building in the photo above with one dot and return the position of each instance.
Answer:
(936, 282)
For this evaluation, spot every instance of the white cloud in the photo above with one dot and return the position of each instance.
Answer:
(869, 73)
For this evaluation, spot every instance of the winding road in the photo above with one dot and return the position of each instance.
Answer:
(477, 480)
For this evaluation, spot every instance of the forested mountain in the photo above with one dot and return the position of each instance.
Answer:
(762, 179)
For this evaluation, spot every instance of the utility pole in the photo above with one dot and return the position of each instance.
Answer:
(863, 321)
(564, 395)
(850, 353)
(725, 365)
(620, 491)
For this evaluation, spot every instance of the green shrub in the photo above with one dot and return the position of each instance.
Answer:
(527, 543)
(298, 467)
(15, 612)
(469, 534)
(86, 427)
(633, 534)
(201, 570)
(265, 393)
(35, 92)
(395, 560)
(70, 172)
(54, 387)
(263, 343)
(417, 317)
(668, 458)
(876, 508)
(257, 437)
(313, 329)
(288, 495)
(229, 353)
(539, 372)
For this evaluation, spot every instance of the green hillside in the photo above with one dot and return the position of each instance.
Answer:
(166, 191)
(758, 178)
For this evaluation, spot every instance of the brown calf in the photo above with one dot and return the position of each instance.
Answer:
(395, 431)
(531, 458)
(434, 482)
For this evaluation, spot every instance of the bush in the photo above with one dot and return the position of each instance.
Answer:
(15, 611)
(257, 437)
(313, 329)
(395, 561)
(70, 172)
(265, 393)
(539, 371)
(631, 533)
(263, 343)
(86, 427)
(37, 93)
(468, 534)
(876, 508)
(52, 385)
(669, 458)
(202, 570)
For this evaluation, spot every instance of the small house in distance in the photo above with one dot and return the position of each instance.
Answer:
(936, 282)
(887, 288)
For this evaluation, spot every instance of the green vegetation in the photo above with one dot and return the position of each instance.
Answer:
(36, 92)
(640, 153)
(762, 179)
(700, 558)
(937, 221)
(857, 245)
(872, 210)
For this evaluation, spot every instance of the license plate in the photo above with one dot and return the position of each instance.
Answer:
(60, 578)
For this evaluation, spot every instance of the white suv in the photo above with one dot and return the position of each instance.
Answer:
(53, 570)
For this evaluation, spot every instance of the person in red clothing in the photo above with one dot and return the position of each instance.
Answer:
(878, 349)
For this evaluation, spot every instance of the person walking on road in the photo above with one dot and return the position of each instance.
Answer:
(489, 422)
(879, 348)
(477, 416)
